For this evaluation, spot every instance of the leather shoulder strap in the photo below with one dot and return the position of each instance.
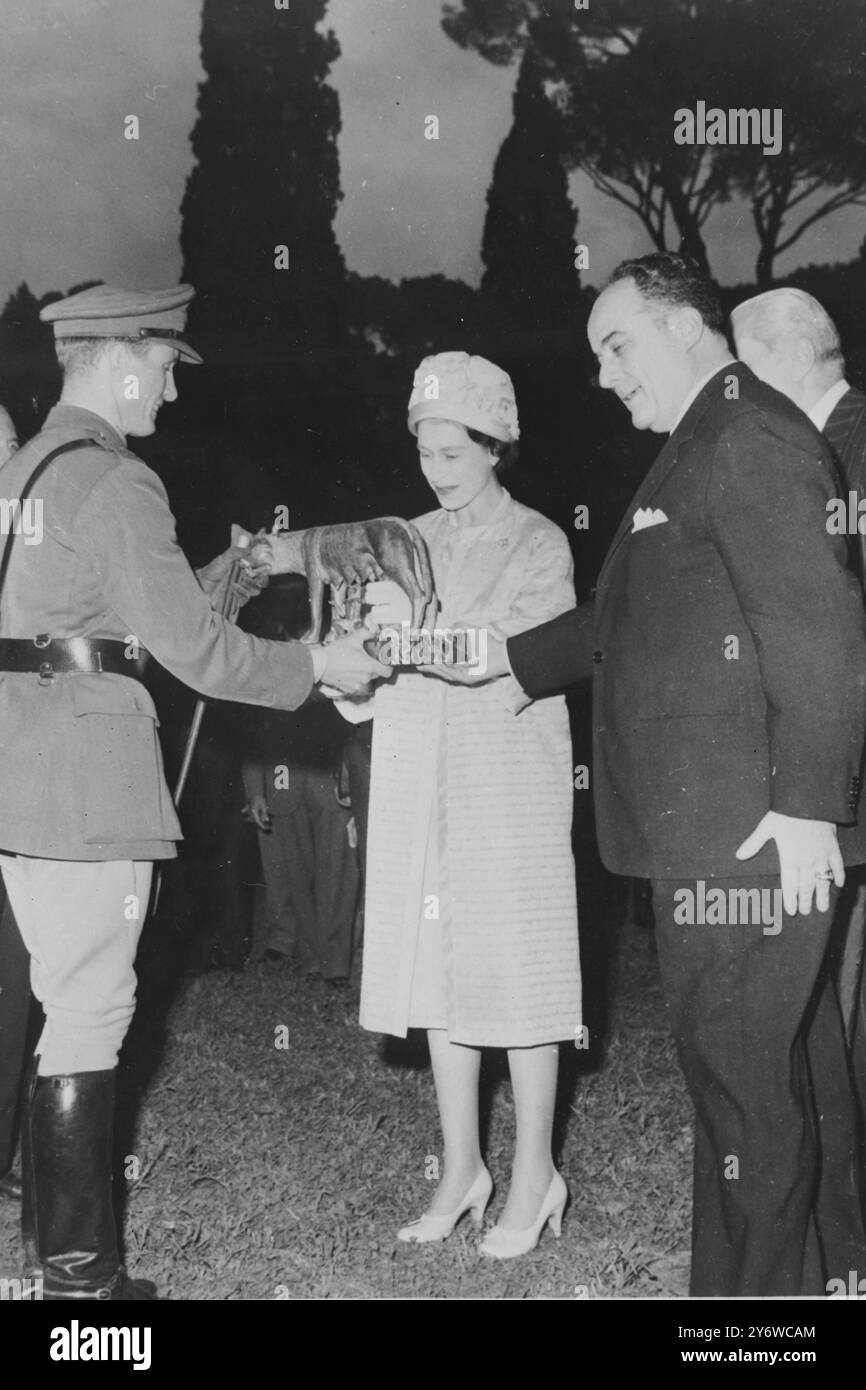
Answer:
(29, 485)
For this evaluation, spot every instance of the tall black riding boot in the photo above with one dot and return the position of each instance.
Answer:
(70, 1122)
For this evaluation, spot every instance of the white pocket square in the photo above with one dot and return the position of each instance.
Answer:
(645, 516)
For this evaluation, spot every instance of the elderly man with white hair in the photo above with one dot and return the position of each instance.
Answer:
(789, 340)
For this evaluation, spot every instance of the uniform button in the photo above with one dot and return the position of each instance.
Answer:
(598, 657)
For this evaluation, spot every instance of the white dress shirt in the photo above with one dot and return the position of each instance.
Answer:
(823, 409)
(697, 389)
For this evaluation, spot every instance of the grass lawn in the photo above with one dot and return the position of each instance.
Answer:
(268, 1172)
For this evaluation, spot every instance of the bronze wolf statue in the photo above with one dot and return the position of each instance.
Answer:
(349, 556)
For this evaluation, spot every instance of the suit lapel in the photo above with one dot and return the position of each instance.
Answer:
(657, 473)
(665, 462)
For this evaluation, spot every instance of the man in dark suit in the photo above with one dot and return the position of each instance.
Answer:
(726, 642)
(789, 340)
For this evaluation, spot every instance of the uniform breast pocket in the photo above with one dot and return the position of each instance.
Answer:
(123, 793)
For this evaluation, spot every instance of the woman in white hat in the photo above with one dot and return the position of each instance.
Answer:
(471, 916)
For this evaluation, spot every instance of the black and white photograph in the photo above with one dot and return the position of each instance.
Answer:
(433, 661)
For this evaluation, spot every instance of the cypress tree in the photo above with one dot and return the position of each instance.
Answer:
(530, 283)
(270, 321)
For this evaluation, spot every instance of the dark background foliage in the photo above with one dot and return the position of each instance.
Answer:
(308, 370)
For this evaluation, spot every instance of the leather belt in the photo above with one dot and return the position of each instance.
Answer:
(47, 657)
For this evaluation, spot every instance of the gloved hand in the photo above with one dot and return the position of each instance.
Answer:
(252, 573)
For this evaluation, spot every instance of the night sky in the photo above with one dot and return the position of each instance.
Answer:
(81, 202)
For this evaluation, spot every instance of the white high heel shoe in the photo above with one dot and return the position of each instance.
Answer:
(433, 1227)
(503, 1244)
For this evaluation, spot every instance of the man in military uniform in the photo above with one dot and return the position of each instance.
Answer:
(85, 809)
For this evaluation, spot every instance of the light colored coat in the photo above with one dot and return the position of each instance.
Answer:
(80, 757)
(477, 782)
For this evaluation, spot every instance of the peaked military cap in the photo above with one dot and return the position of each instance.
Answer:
(108, 312)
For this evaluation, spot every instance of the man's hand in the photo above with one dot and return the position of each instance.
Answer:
(493, 664)
(809, 858)
(252, 574)
(258, 811)
(344, 665)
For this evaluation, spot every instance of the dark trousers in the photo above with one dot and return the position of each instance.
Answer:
(357, 752)
(311, 877)
(759, 1039)
(14, 1014)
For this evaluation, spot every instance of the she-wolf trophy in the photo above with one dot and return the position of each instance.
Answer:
(346, 558)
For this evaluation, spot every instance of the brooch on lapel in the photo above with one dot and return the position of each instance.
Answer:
(645, 516)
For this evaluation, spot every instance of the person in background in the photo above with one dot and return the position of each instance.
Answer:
(216, 900)
(306, 838)
(789, 340)
(357, 759)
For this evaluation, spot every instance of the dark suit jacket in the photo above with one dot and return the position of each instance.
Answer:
(845, 432)
(692, 743)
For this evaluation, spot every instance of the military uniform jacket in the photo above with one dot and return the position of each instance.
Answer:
(82, 772)
(727, 645)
